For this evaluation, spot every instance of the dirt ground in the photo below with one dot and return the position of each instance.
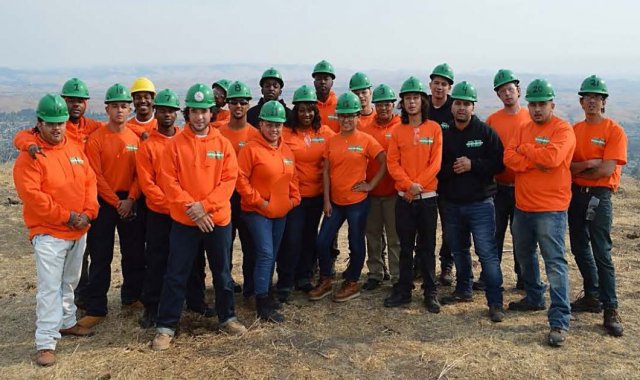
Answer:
(358, 339)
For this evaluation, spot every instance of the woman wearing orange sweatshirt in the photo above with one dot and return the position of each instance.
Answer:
(59, 195)
(268, 186)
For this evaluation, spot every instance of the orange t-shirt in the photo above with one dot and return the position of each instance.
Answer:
(199, 169)
(54, 185)
(415, 155)
(504, 124)
(328, 114)
(75, 133)
(112, 156)
(308, 147)
(550, 145)
(140, 127)
(348, 158)
(365, 120)
(267, 173)
(223, 115)
(148, 167)
(238, 137)
(382, 134)
(605, 140)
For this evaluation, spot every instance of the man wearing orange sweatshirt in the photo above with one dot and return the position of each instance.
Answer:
(111, 151)
(143, 123)
(540, 156)
(220, 90)
(58, 193)
(268, 186)
(198, 175)
(323, 77)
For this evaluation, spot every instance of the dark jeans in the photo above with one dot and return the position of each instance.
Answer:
(505, 204)
(157, 255)
(100, 243)
(266, 234)
(185, 243)
(446, 257)
(239, 227)
(356, 216)
(416, 228)
(591, 243)
(474, 219)
(297, 255)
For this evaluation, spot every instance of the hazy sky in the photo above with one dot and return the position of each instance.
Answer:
(543, 36)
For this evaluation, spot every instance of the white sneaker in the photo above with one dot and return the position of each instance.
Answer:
(161, 342)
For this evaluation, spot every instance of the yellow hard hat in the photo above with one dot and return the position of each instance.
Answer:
(143, 84)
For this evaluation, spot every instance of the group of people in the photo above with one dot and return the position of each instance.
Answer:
(286, 179)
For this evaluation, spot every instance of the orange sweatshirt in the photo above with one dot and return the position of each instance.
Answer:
(382, 134)
(365, 120)
(148, 167)
(267, 173)
(112, 156)
(415, 155)
(540, 155)
(223, 115)
(75, 133)
(328, 114)
(238, 138)
(53, 186)
(505, 124)
(308, 147)
(199, 169)
(605, 140)
(140, 127)
(348, 160)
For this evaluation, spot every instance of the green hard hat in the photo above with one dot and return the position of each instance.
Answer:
(413, 84)
(348, 103)
(324, 67)
(383, 93)
(199, 96)
(75, 88)
(443, 70)
(273, 111)
(272, 73)
(118, 93)
(359, 81)
(167, 98)
(504, 76)
(464, 91)
(222, 83)
(238, 89)
(540, 90)
(52, 109)
(305, 94)
(593, 85)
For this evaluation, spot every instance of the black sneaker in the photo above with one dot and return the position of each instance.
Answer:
(456, 297)
(431, 304)
(304, 287)
(524, 305)
(613, 322)
(479, 286)
(237, 288)
(586, 304)
(496, 313)
(397, 298)
(282, 295)
(371, 284)
(520, 284)
(386, 276)
(148, 319)
(446, 278)
(556, 337)
(265, 310)
(204, 310)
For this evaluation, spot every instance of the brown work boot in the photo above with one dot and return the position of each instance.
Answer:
(135, 305)
(323, 289)
(349, 290)
(89, 321)
(77, 330)
(161, 342)
(613, 322)
(234, 328)
(46, 358)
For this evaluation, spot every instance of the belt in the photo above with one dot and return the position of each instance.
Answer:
(589, 189)
(506, 184)
(430, 194)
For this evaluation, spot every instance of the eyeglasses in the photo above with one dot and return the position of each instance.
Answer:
(238, 102)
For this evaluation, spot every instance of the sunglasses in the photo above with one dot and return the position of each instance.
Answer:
(238, 102)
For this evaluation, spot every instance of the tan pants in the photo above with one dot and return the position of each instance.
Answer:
(382, 220)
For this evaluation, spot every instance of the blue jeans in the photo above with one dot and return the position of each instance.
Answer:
(591, 244)
(505, 204)
(474, 219)
(185, 243)
(297, 254)
(239, 227)
(547, 230)
(356, 216)
(266, 235)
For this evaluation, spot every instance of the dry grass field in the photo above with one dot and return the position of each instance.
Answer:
(359, 339)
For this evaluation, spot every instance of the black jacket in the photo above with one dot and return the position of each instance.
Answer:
(481, 144)
(441, 115)
(254, 112)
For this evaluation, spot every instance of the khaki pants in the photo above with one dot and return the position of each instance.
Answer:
(382, 219)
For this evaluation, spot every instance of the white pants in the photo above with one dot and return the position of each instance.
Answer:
(58, 265)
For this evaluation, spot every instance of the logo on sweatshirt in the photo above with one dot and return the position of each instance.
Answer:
(355, 148)
(76, 160)
(474, 143)
(444, 125)
(241, 144)
(333, 117)
(287, 161)
(387, 135)
(215, 154)
(318, 140)
(425, 140)
(543, 140)
(598, 141)
(131, 148)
